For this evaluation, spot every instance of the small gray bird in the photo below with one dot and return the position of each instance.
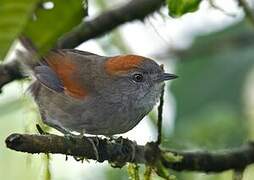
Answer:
(87, 93)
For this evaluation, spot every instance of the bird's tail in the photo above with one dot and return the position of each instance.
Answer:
(29, 56)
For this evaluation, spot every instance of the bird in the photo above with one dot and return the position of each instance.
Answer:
(79, 91)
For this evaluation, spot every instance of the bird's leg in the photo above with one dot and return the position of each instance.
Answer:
(94, 143)
(96, 152)
(71, 138)
(97, 140)
(125, 152)
(128, 147)
(68, 135)
(133, 151)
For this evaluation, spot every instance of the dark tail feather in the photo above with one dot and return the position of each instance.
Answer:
(28, 57)
(28, 44)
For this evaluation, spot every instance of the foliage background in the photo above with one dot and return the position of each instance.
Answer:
(209, 107)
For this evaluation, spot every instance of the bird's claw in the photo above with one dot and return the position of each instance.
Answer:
(127, 148)
(95, 144)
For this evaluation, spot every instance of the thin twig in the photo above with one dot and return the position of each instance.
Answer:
(212, 4)
(160, 111)
(148, 173)
(133, 171)
(247, 9)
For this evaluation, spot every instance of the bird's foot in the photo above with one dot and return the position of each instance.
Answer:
(71, 139)
(125, 153)
(129, 147)
(95, 144)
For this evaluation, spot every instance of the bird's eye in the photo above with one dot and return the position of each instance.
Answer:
(138, 77)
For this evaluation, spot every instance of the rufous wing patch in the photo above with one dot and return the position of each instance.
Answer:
(122, 64)
(66, 71)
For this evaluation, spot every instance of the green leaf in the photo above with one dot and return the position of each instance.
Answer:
(178, 8)
(13, 17)
(49, 24)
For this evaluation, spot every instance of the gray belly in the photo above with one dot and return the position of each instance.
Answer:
(93, 116)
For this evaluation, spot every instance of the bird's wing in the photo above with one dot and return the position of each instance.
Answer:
(46, 76)
(59, 72)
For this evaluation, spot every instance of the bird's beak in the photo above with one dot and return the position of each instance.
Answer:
(167, 76)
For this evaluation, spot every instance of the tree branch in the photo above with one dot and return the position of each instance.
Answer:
(103, 23)
(248, 10)
(10, 72)
(121, 151)
(134, 10)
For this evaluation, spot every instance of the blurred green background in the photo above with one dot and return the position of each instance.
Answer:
(209, 107)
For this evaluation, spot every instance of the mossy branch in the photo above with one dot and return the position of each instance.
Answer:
(121, 150)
